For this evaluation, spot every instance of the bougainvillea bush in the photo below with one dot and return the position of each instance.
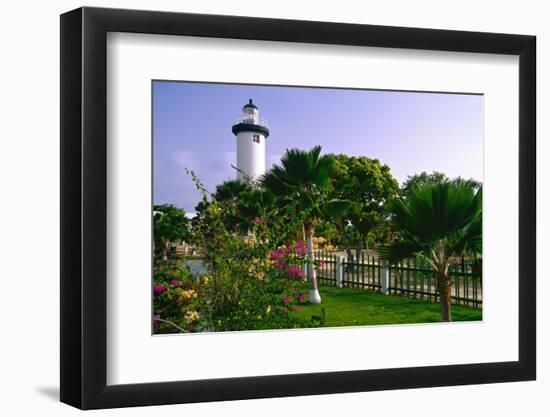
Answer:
(243, 292)
(249, 283)
(175, 298)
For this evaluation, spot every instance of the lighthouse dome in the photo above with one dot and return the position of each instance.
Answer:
(250, 105)
(250, 121)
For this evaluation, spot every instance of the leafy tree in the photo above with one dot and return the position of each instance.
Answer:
(437, 222)
(300, 183)
(435, 177)
(170, 225)
(369, 184)
(417, 180)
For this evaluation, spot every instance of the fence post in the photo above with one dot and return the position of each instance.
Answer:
(385, 279)
(339, 271)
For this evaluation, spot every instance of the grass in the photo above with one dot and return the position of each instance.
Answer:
(351, 307)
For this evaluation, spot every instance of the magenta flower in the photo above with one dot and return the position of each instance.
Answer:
(285, 299)
(274, 254)
(287, 250)
(294, 271)
(159, 288)
(175, 282)
(301, 297)
(300, 247)
(295, 308)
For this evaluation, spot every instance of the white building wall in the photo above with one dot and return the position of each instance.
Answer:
(250, 155)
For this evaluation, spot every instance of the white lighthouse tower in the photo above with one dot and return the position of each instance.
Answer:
(251, 132)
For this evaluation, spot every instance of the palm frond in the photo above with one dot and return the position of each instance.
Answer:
(434, 212)
(230, 189)
(275, 181)
(398, 250)
(299, 166)
(299, 169)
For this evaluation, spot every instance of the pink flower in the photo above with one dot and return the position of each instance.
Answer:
(285, 299)
(274, 254)
(300, 247)
(301, 297)
(287, 250)
(294, 271)
(159, 288)
(175, 282)
(295, 308)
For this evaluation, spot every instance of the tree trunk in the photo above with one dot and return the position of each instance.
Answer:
(359, 248)
(341, 226)
(165, 248)
(314, 297)
(349, 254)
(445, 297)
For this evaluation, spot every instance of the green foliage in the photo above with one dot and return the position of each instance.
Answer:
(229, 191)
(347, 200)
(300, 184)
(368, 184)
(170, 225)
(246, 287)
(176, 304)
(438, 222)
(418, 180)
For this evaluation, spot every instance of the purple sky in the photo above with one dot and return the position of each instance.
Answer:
(411, 132)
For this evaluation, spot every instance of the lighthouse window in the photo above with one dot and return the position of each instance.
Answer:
(256, 138)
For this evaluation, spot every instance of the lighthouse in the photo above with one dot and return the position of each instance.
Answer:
(251, 132)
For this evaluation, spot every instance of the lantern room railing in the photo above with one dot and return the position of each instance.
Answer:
(251, 121)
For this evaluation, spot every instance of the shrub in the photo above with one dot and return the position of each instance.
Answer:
(250, 284)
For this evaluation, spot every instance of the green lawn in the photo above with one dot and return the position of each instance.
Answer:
(351, 307)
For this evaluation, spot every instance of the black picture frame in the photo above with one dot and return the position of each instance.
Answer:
(84, 207)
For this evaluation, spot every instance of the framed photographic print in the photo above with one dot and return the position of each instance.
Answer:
(257, 208)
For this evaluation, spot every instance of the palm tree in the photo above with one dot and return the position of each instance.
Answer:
(300, 184)
(229, 190)
(437, 222)
(228, 194)
(255, 206)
